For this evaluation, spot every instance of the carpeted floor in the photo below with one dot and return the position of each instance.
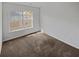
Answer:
(38, 45)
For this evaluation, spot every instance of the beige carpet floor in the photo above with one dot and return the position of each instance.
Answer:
(37, 45)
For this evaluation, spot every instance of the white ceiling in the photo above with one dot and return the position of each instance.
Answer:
(48, 4)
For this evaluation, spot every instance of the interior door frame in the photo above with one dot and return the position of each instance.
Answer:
(0, 26)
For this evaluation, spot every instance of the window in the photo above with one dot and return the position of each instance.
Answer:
(27, 19)
(21, 20)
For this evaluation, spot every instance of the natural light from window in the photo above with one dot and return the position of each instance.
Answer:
(21, 20)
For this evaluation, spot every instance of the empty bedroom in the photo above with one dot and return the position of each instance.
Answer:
(39, 29)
